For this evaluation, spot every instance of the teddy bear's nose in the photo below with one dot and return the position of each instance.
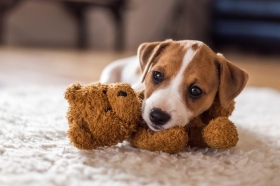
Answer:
(122, 93)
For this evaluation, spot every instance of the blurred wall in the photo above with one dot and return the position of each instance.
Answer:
(48, 24)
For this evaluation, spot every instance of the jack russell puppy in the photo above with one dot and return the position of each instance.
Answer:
(180, 79)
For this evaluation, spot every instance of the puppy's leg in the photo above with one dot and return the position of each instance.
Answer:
(112, 72)
(119, 71)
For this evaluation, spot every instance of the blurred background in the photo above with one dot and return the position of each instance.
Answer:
(58, 42)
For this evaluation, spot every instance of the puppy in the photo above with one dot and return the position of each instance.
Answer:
(180, 79)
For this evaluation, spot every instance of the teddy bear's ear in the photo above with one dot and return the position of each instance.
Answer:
(147, 52)
(232, 80)
(71, 89)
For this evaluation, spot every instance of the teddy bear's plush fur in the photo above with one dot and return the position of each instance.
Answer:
(106, 114)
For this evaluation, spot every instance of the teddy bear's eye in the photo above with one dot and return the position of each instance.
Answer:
(104, 92)
(108, 109)
(122, 93)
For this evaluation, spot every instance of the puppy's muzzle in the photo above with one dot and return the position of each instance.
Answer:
(159, 117)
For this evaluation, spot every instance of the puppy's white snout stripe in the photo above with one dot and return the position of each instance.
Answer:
(159, 98)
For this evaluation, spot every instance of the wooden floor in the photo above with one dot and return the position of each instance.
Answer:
(52, 67)
(23, 66)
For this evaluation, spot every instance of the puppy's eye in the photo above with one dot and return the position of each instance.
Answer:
(195, 92)
(157, 77)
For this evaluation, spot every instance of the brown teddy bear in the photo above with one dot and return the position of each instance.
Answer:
(106, 114)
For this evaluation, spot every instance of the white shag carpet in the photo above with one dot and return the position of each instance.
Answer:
(34, 148)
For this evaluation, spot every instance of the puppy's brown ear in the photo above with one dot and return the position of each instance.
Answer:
(232, 80)
(147, 52)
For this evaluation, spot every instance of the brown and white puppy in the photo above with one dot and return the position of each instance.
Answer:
(181, 80)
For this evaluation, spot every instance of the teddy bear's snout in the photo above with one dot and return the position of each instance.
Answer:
(122, 93)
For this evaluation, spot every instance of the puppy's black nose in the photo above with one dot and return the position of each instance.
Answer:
(159, 117)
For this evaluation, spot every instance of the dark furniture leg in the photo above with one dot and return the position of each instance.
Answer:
(78, 11)
(5, 6)
(117, 13)
(1, 25)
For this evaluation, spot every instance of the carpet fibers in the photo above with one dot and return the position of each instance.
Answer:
(34, 148)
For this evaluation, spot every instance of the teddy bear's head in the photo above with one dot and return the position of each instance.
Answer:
(98, 98)
(101, 114)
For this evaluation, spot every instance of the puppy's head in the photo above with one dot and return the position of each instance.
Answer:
(182, 78)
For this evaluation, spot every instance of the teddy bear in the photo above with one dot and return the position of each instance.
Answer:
(102, 115)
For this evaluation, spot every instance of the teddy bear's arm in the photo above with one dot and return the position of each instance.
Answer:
(171, 140)
(220, 133)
